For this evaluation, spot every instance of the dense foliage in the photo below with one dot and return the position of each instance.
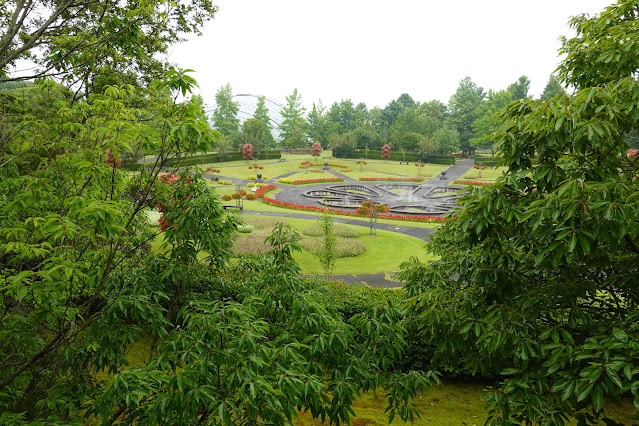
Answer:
(537, 282)
(81, 289)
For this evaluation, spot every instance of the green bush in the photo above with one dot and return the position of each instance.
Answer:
(352, 299)
(487, 161)
(244, 228)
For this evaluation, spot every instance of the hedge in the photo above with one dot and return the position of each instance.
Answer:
(127, 165)
(398, 156)
(487, 161)
(215, 158)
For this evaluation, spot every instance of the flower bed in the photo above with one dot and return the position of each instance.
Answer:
(301, 207)
(306, 164)
(391, 179)
(263, 190)
(471, 182)
(318, 180)
(253, 177)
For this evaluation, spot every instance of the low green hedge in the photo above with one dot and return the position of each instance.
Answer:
(487, 161)
(131, 166)
(410, 156)
(216, 158)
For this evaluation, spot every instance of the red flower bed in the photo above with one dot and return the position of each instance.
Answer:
(393, 179)
(389, 216)
(471, 182)
(318, 180)
(263, 190)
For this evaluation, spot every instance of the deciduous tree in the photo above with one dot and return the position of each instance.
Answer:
(463, 107)
(537, 278)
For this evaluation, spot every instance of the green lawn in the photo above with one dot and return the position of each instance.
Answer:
(384, 253)
(274, 168)
(490, 174)
(379, 168)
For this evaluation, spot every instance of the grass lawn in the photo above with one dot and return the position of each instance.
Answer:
(376, 258)
(274, 168)
(486, 175)
(384, 253)
(378, 168)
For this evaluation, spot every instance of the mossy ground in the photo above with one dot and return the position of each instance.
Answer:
(451, 403)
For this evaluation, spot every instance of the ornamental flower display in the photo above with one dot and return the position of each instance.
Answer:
(247, 151)
(365, 209)
(316, 149)
(301, 207)
(386, 152)
(263, 190)
(471, 182)
(390, 179)
(480, 168)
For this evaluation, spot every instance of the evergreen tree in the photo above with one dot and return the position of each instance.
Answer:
(261, 113)
(294, 125)
(552, 89)
(519, 89)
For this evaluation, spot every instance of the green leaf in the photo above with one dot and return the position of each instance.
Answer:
(620, 335)
(584, 392)
(597, 398)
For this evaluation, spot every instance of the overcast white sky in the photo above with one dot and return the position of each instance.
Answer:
(372, 51)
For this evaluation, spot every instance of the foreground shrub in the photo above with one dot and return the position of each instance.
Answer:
(352, 299)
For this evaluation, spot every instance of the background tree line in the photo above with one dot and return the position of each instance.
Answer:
(466, 123)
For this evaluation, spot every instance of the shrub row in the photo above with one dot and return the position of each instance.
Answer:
(410, 156)
(487, 161)
(216, 158)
